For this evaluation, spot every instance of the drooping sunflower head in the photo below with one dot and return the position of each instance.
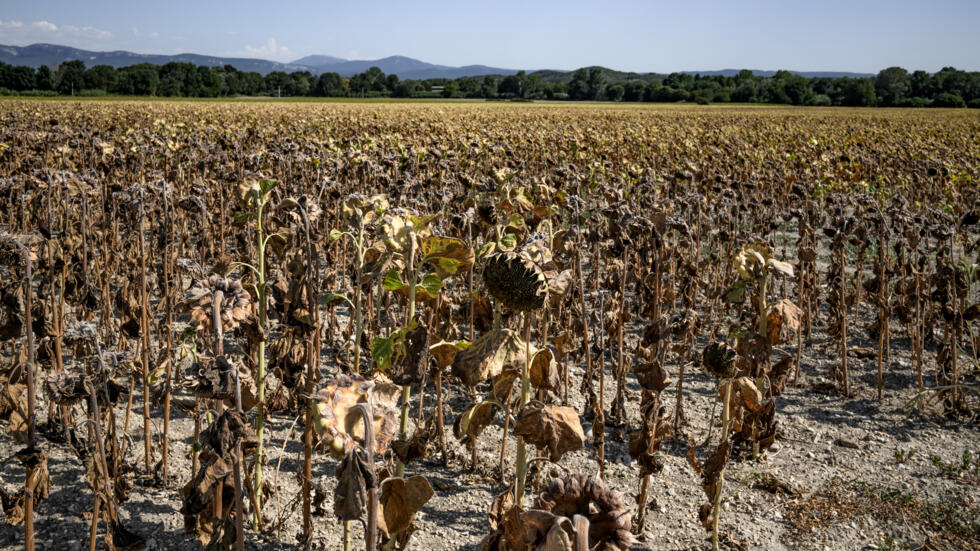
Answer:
(515, 281)
(65, 388)
(579, 494)
(718, 359)
(235, 301)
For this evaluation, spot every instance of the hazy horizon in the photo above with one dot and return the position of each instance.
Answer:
(860, 37)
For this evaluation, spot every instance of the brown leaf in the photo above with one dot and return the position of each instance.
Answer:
(400, 499)
(443, 352)
(228, 429)
(416, 447)
(779, 374)
(544, 372)
(354, 479)
(555, 428)
(473, 420)
(710, 472)
(13, 407)
(125, 540)
(751, 396)
(782, 321)
(656, 428)
(652, 376)
(487, 357)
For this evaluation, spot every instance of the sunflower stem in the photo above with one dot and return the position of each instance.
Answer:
(260, 364)
(721, 475)
(409, 316)
(521, 466)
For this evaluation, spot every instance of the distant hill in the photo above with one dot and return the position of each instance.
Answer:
(609, 75)
(758, 73)
(317, 60)
(404, 67)
(36, 55)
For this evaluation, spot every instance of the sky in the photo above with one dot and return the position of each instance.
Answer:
(643, 36)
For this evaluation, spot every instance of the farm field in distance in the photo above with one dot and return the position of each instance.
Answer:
(641, 326)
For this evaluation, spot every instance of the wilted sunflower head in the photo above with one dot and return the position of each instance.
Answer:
(340, 425)
(579, 494)
(65, 388)
(487, 213)
(718, 359)
(515, 281)
(79, 333)
(235, 302)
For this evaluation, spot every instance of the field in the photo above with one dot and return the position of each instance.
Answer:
(570, 326)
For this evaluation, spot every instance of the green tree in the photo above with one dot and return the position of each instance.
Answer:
(892, 84)
(405, 89)
(948, 100)
(596, 82)
(376, 79)
(139, 80)
(329, 84)
(745, 92)
(301, 84)
(278, 83)
(70, 77)
(449, 90)
(859, 92)
(20, 77)
(44, 80)
(208, 83)
(633, 90)
(488, 88)
(391, 82)
(251, 83)
(103, 77)
(615, 92)
(578, 88)
(951, 81)
(531, 87)
(510, 86)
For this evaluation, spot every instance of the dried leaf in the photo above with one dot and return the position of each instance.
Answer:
(487, 356)
(782, 321)
(550, 427)
(400, 499)
(354, 479)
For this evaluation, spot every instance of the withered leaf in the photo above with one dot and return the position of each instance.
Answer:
(782, 321)
(354, 480)
(400, 499)
(554, 428)
(544, 372)
(487, 356)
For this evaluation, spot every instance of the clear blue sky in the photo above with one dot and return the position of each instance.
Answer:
(655, 35)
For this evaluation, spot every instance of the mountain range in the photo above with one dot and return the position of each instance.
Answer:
(36, 55)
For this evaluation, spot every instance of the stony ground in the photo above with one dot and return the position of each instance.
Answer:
(835, 459)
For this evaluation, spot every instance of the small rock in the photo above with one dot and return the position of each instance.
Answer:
(848, 443)
(441, 485)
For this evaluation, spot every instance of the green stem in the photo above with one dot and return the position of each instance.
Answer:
(358, 315)
(763, 330)
(525, 391)
(260, 369)
(409, 316)
(721, 475)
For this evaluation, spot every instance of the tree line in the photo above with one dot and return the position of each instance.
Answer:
(891, 87)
